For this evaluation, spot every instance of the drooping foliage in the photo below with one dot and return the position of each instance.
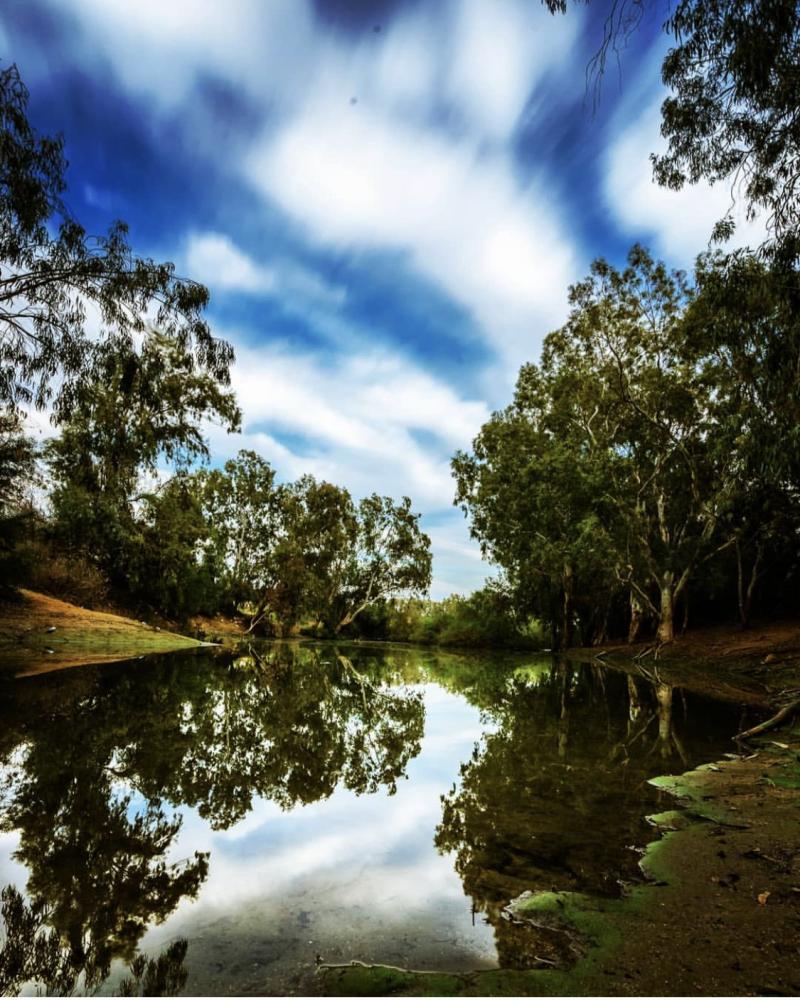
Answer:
(63, 291)
(733, 74)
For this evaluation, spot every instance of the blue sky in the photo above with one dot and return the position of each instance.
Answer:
(388, 201)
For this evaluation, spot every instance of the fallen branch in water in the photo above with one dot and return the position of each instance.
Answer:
(762, 727)
(355, 963)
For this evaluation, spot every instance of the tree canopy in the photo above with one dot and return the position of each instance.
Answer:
(62, 292)
(638, 451)
(733, 73)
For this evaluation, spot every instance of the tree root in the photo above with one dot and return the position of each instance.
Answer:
(762, 727)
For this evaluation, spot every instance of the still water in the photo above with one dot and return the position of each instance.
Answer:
(312, 803)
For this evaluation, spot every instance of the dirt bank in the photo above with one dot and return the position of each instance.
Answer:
(756, 666)
(721, 915)
(39, 633)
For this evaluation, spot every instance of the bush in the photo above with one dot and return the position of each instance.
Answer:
(68, 576)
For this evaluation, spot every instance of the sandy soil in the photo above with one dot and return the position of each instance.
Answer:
(728, 921)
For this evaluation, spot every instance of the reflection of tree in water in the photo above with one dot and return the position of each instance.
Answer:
(95, 854)
(92, 758)
(289, 727)
(32, 952)
(553, 799)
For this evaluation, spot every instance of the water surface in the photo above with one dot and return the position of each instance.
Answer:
(318, 803)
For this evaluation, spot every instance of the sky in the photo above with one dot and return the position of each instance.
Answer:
(388, 200)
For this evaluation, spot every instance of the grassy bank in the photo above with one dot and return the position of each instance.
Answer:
(40, 633)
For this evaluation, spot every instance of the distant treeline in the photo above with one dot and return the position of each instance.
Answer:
(486, 619)
(211, 541)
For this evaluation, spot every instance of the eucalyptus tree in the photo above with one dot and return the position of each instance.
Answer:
(607, 454)
(33, 955)
(731, 114)
(745, 323)
(329, 559)
(170, 565)
(533, 499)
(392, 556)
(316, 557)
(667, 486)
(17, 469)
(97, 859)
(142, 408)
(62, 291)
(243, 508)
(733, 110)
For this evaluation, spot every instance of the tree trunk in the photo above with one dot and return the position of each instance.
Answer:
(637, 613)
(740, 584)
(746, 593)
(566, 610)
(664, 699)
(634, 701)
(666, 629)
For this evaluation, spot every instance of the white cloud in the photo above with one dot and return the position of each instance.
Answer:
(680, 222)
(356, 178)
(161, 48)
(359, 413)
(213, 259)
(217, 262)
(382, 173)
(496, 60)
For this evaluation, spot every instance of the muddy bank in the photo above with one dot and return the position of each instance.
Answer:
(40, 633)
(756, 666)
(719, 916)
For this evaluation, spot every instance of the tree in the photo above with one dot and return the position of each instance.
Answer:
(33, 954)
(303, 570)
(171, 564)
(732, 114)
(329, 560)
(96, 860)
(533, 495)
(16, 472)
(54, 277)
(391, 556)
(744, 323)
(243, 507)
(140, 408)
(606, 461)
(735, 76)
(666, 487)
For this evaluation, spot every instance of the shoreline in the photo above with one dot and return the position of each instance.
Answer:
(39, 634)
(736, 822)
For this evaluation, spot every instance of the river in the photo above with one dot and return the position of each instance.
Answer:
(308, 804)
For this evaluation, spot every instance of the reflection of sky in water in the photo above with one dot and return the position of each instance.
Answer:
(551, 799)
(355, 872)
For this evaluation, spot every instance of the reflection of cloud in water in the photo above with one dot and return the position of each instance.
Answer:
(372, 854)
(11, 871)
